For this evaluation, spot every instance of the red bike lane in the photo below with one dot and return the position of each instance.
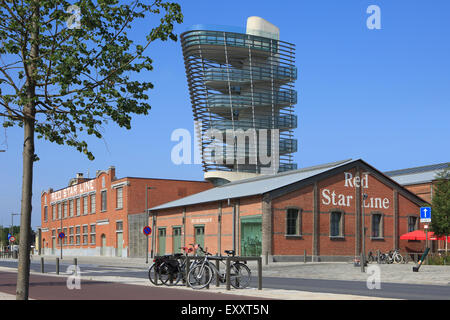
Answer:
(55, 288)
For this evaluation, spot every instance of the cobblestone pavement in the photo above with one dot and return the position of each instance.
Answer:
(394, 273)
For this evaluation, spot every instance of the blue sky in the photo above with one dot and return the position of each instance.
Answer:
(380, 95)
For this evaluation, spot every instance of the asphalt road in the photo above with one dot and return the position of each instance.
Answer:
(388, 290)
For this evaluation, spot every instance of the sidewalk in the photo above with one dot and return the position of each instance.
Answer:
(276, 294)
(391, 273)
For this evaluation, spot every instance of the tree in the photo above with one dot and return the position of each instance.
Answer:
(440, 219)
(66, 69)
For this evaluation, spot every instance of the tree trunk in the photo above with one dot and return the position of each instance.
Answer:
(29, 112)
(23, 274)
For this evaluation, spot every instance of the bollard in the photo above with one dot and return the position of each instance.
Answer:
(228, 274)
(42, 264)
(218, 275)
(259, 274)
(57, 265)
(188, 264)
(417, 267)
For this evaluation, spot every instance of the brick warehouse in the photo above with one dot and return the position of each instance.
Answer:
(317, 209)
(105, 215)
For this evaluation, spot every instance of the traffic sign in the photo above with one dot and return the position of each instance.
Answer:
(61, 235)
(425, 214)
(147, 230)
(12, 239)
(9, 236)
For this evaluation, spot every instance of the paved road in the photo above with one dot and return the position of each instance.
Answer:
(359, 288)
(55, 288)
(388, 290)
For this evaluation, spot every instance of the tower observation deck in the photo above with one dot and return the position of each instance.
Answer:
(241, 88)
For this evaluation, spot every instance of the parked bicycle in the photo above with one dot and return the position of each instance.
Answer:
(394, 256)
(203, 271)
(371, 257)
(169, 269)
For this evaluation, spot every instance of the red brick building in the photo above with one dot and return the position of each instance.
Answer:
(319, 210)
(105, 215)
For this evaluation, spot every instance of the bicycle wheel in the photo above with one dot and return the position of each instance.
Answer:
(239, 275)
(164, 273)
(200, 276)
(152, 272)
(172, 277)
(398, 258)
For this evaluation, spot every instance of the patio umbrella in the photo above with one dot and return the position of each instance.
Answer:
(420, 235)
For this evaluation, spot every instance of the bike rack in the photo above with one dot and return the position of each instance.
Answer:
(227, 272)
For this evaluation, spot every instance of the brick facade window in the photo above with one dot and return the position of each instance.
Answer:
(85, 234)
(85, 205)
(78, 205)
(77, 235)
(377, 225)
(92, 233)
(71, 208)
(293, 222)
(104, 200)
(92, 203)
(65, 238)
(71, 235)
(65, 209)
(119, 198)
(59, 211)
(412, 223)
(45, 214)
(53, 212)
(336, 224)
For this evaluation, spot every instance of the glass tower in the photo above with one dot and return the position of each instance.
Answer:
(241, 88)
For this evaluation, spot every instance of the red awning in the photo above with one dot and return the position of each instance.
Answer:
(420, 235)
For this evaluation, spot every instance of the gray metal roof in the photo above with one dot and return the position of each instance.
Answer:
(432, 167)
(418, 174)
(252, 186)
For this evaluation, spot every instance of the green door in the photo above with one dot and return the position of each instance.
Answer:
(199, 232)
(161, 241)
(176, 239)
(251, 234)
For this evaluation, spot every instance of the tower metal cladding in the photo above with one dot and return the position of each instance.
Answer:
(241, 88)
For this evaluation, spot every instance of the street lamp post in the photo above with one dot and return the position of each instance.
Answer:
(147, 215)
(61, 239)
(12, 225)
(364, 197)
(363, 255)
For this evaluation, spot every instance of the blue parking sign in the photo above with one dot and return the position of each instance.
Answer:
(425, 214)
